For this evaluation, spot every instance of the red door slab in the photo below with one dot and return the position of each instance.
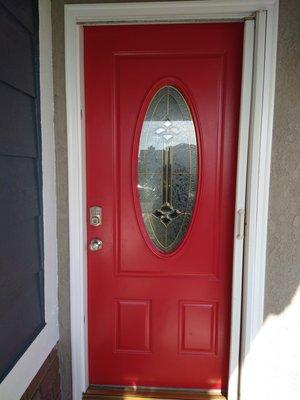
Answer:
(159, 305)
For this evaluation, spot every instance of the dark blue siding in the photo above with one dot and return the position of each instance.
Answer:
(21, 239)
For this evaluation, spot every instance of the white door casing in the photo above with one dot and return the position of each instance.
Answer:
(256, 118)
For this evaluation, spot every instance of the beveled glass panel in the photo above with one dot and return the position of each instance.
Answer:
(167, 168)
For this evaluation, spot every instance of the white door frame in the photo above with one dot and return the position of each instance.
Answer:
(256, 119)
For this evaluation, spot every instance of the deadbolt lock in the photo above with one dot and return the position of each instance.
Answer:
(95, 216)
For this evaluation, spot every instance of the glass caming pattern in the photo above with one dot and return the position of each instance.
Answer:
(167, 168)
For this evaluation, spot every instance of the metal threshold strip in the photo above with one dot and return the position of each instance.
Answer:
(95, 392)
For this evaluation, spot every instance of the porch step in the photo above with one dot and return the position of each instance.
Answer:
(111, 393)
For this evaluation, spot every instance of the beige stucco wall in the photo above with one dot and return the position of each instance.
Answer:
(272, 369)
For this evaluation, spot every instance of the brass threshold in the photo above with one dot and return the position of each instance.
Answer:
(95, 392)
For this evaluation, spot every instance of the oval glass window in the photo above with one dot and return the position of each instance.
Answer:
(167, 168)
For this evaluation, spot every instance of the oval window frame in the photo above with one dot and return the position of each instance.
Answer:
(178, 85)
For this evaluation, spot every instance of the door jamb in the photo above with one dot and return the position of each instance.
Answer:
(249, 261)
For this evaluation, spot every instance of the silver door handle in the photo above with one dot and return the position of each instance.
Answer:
(95, 244)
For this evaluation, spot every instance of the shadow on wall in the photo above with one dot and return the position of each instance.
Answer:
(283, 270)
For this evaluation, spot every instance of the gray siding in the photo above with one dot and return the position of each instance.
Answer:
(21, 249)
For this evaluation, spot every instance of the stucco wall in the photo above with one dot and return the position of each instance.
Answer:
(272, 367)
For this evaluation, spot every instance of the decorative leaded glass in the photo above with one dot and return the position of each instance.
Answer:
(167, 168)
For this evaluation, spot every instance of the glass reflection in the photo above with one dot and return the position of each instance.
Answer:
(167, 168)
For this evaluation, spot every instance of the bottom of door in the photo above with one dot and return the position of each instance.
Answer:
(95, 392)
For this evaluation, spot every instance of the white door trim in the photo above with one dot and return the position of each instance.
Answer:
(258, 86)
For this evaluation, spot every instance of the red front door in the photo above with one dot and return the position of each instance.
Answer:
(162, 111)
